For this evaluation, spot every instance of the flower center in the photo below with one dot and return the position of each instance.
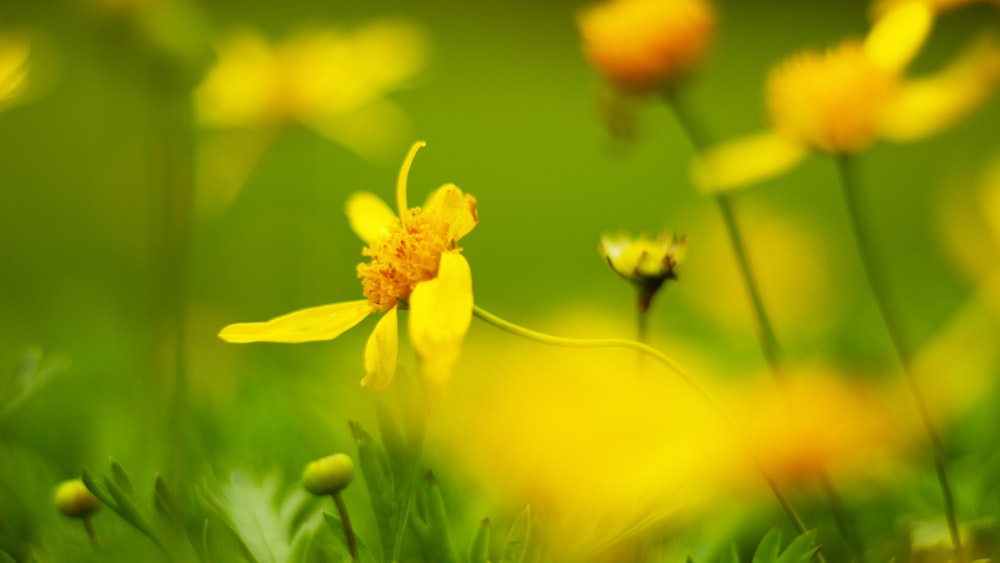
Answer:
(407, 254)
(830, 101)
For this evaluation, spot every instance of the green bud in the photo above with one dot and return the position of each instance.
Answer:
(328, 475)
(73, 499)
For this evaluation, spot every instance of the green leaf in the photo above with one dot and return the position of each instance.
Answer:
(479, 552)
(517, 539)
(381, 488)
(433, 530)
(6, 557)
(801, 550)
(730, 555)
(95, 486)
(121, 477)
(336, 527)
(129, 512)
(31, 375)
(163, 501)
(260, 517)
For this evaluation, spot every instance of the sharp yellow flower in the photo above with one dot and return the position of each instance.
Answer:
(643, 45)
(14, 66)
(842, 100)
(415, 264)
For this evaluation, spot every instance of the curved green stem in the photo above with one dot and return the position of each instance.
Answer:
(880, 291)
(667, 362)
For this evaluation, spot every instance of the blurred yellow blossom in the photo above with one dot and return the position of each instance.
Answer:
(415, 264)
(14, 68)
(842, 100)
(315, 78)
(644, 45)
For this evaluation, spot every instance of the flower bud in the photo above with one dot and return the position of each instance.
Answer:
(328, 475)
(73, 499)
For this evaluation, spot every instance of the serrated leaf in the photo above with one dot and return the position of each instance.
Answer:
(517, 539)
(730, 555)
(801, 549)
(121, 477)
(95, 486)
(259, 516)
(129, 512)
(433, 531)
(479, 551)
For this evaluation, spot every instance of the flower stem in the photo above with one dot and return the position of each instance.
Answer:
(765, 332)
(352, 545)
(88, 525)
(666, 361)
(880, 291)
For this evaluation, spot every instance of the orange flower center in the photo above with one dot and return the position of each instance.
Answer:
(830, 101)
(407, 254)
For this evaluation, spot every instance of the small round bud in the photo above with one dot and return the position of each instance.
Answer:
(73, 499)
(328, 475)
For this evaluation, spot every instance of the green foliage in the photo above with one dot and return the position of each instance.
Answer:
(32, 374)
(769, 550)
(517, 539)
(431, 522)
(262, 517)
(479, 551)
(110, 492)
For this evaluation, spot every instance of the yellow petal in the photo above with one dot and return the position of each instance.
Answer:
(898, 35)
(404, 173)
(457, 209)
(927, 105)
(316, 323)
(369, 215)
(440, 314)
(381, 352)
(746, 161)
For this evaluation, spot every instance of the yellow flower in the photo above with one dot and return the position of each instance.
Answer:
(645, 262)
(14, 65)
(415, 264)
(643, 45)
(320, 79)
(842, 100)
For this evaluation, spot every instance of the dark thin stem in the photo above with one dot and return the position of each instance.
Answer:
(765, 331)
(352, 545)
(845, 524)
(91, 534)
(880, 291)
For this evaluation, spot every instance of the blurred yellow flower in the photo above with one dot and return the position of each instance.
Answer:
(817, 423)
(644, 45)
(415, 264)
(315, 78)
(842, 100)
(14, 68)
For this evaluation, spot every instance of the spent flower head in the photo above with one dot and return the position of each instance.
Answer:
(842, 100)
(416, 264)
(647, 263)
(642, 46)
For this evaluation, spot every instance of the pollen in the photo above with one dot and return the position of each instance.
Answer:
(830, 101)
(408, 253)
